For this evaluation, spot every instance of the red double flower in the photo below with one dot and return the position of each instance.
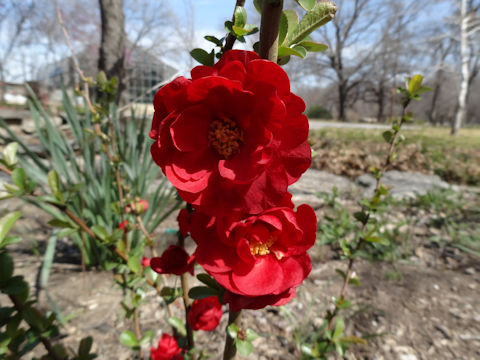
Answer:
(205, 314)
(259, 259)
(233, 137)
(174, 260)
(167, 349)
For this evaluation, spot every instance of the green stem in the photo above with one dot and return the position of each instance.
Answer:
(269, 28)
(230, 351)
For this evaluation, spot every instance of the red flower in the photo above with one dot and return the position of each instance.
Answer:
(239, 302)
(183, 219)
(262, 257)
(124, 226)
(145, 261)
(138, 207)
(232, 138)
(167, 349)
(205, 314)
(174, 260)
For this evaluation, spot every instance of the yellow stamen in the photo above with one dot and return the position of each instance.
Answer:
(258, 248)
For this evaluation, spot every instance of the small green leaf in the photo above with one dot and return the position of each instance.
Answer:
(203, 57)
(353, 340)
(16, 285)
(10, 154)
(54, 183)
(19, 178)
(84, 348)
(200, 292)
(146, 338)
(10, 240)
(214, 40)
(33, 317)
(244, 347)
(240, 17)
(313, 47)
(208, 280)
(361, 216)
(414, 83)
(250, 335)
(320, 14)
(170, 294)
(306, 4)
(178, 325)
(61, 224)
(232, 330)
(100, 231)
(258, 5)
(6, 224)
(388, 136)
(288, 22)
(6, 267)
(301, 50)
(339, 327)
(127, 338)
(134, 264)
(286, 51)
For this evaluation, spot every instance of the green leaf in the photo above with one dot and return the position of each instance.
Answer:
(414, 83)
(16, 285)
(6, 224)
(250, 335)
(134, 264)
(10, 154)
(306, 4)
(232, 330)
(301, 50)
(388, 136)
(19, 178)
(6, 267)
(377, 239)
(146, 338)
(361, 216)
(84, 348)
(214, 40)
(203, 57)
(54, 183)
(321, 14)
(61, 224)
(240, 17)
(288, 22)
(33, 317)
(339, 327)
(313, 47)
(100, 231)
(178, 325)
(286, 51)
(10, 240)
(208, 280)
(244, 347)
(200, 292)
(170, 294)
(353, 340)
(127, 338)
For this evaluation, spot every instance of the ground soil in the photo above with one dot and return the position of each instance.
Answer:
(429, 310)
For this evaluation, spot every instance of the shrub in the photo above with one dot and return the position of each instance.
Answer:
(319, 112)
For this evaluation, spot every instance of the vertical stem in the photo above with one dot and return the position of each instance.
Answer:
(230, 351)
(231, 38)
(136, 321)
(186, 300)
(269, 28)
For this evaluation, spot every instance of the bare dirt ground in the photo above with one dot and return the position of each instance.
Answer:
(430, 309)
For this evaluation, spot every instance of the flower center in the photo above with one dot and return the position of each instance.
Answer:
(259, 248)
(225, 136)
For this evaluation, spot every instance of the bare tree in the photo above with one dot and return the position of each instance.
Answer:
(349, 52)
(469, 26)
(112, 46)
(14, 18)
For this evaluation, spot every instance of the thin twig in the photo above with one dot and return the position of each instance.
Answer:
(137, 327)
(361, 241)
(187, 302)
(4, 169)
(46, 342)
(230, 351)
(269, 29)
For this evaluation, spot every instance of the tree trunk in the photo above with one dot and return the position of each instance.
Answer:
(342, 101)
(462, 95)
(112, 48)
